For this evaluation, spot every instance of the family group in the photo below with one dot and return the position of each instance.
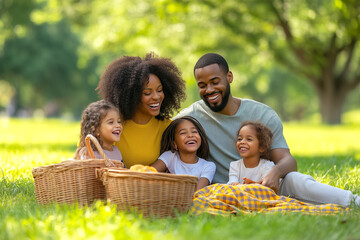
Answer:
(219, 139)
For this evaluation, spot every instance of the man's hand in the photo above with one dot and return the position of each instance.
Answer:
(272, 179)
(284, 163)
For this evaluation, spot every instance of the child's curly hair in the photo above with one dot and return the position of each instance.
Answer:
(264, 135)
(123, 81)
(91, 119)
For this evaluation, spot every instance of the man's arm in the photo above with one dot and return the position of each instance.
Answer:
(284, 163)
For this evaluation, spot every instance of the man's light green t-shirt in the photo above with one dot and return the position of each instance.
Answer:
(222, 131)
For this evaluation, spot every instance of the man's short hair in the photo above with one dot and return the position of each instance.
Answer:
(212, 58)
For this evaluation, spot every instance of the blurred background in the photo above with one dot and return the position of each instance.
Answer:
(300, 57)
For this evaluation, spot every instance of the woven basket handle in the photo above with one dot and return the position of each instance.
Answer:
(96, 142)
(89, 137)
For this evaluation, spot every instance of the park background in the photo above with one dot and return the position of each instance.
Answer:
(299, 57)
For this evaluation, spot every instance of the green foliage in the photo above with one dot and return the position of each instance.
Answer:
(6, 93)
(39, 58)
(279, 50)
(46, 70)
(328, 153)
(47, 52)
(13, 13)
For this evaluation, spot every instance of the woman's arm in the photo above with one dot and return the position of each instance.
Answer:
(159, 165)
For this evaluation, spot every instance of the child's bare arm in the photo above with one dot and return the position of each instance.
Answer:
(233, 173)
(159, 165)
(203, 182)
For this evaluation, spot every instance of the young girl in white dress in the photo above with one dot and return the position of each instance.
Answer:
(254, 145)
(184, 148)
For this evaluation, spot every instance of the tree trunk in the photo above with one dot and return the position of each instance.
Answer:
(331, 104)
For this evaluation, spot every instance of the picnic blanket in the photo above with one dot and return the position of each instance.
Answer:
(223, 199)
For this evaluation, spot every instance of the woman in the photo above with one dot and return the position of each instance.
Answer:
(147, 92)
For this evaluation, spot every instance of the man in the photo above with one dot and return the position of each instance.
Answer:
(221, 115)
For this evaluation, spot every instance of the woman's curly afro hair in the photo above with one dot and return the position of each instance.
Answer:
(123, 81)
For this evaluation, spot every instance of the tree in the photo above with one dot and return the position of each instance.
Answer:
(329, 62)
(315, 38)
(42, 67)
(39, 57)
(312, 38)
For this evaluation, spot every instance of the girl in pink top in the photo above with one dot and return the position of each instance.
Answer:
(102, 120)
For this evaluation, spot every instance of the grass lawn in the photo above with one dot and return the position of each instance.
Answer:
(330, 154)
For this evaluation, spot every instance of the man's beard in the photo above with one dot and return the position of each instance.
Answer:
(221, 106)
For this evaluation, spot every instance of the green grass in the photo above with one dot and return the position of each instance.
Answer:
(330, 154)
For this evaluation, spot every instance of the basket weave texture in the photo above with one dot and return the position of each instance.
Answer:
(72, 181)
(149, 193)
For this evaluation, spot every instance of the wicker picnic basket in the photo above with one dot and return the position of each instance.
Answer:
(150, 193)
(72, 181)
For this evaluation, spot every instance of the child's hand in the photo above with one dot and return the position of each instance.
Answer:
(234, 183)
(248, 181)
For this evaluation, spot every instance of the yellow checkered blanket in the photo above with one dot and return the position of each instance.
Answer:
(225, 199)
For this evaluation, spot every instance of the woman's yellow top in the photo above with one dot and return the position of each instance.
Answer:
(140, 144)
